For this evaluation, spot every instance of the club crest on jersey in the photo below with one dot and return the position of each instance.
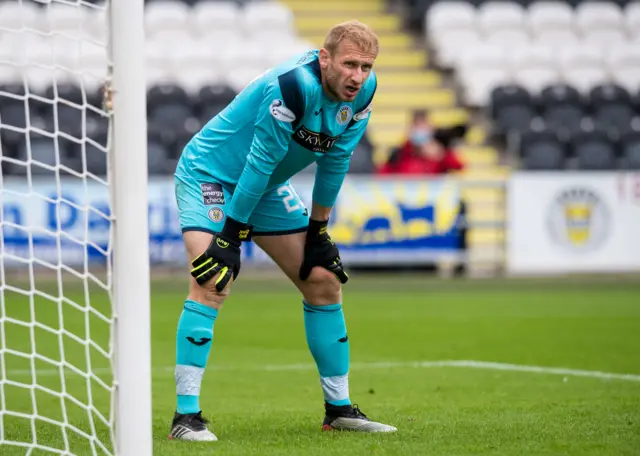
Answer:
(281, 112)
(216, 214)
(344, 115)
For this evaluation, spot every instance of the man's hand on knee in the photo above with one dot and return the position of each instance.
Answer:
(320, 250)
(222, 256)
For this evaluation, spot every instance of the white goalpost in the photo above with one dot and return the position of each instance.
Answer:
(75, 350)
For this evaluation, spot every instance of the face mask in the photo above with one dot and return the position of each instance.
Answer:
(419, 137)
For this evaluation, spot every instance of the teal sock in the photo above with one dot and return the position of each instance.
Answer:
(327, 339)
(193, 343)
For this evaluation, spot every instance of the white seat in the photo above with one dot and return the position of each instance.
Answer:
(598, 15)
(534, 79)
(8, 73)
(166, 15)
(534, 67)
(556, 38)
(65, 18)
(449, 16)
(96, 23)
(192, 78)
(584, 78)
(494, 16)
(192, 54)
(545, 16)
(267, 16)
(452, 44)
(623, 64)
(271, 36)
(481, 68)
(484, 56)
(605, 38)
(158, 75)
(581, 56)
(15, 15)
(239, 77)
(632, 19)
(479, 82)
(215, 16)
(37, 78)
(509, 38)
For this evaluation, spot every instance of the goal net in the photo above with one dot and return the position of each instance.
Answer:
(67, 293)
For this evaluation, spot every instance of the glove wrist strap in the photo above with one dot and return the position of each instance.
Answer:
(236, 231)
(317, 229)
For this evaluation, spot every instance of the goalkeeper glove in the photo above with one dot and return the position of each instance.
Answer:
(320, 250)
(222, 256)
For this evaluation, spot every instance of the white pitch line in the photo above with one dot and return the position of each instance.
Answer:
(466, 364)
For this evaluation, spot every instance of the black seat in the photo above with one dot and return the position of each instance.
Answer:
(69, 104)
(594, 150)
(630, 149)
(362, 158)
(12, 109)
(214, 95)
(512, 108)
(542, 149)
(612, 106)
(159, 159)
(562, 107)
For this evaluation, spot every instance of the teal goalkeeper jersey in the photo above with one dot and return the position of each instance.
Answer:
(277, 126)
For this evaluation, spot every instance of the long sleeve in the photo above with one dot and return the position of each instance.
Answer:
(333, 167)
(273, 131)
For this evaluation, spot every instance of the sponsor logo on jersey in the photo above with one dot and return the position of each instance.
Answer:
(216, 214)
(344, 115)
(362, 114)
(281, 112)
(315, 142)
(212, 194)
(578, 219)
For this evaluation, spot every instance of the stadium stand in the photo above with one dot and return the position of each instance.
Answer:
(559, 79)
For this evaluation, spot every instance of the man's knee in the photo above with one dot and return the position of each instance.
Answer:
(321, 287)
(207, 293)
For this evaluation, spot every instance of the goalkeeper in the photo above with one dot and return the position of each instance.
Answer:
(232, 185)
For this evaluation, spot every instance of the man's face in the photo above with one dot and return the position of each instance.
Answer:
(345, 71)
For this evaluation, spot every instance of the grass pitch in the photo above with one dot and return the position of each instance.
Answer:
(262, 393)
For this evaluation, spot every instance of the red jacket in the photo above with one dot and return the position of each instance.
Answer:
(409, 162)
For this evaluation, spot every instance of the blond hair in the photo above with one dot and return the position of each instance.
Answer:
(361, 34)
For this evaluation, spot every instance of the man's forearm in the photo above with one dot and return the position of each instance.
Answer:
(320, 213)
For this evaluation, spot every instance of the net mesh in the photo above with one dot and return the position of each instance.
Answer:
(56, 315)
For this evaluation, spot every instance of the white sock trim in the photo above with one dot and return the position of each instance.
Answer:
(335, 388)
(188, 380)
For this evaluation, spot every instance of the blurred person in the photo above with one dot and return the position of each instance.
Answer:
(426, 151)
(232, 185)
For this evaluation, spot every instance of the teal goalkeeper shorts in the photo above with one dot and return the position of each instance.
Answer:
(202, 206)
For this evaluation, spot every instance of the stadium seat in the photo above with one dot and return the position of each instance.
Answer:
(496, 15)
(630, 149)
(164, 94)
(165, 16)
(593, 150)
(12, 110)
(512, 108)
(556, 38)
(623, 64)
(449, 44)
(612, 107)
(547, 16)
(221, 16)
(16, 15)
(93, 155)
(541, 149)
(69, 115)
(632, 19)
(598, 15)
(267, 17)
(67, 18)
(482, 68)
(215, 94)
(562, 108)
(534, 68)
(446, 16)
(583, 67)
